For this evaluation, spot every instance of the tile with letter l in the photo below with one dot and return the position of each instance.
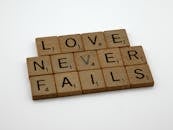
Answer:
(116, 78)
(47, 45)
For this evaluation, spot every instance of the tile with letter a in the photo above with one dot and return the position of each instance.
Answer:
(133, 55)
(116, 78)
(68, 84)
(43, 87)
(39, 65)
(140, 76)
(92, 81)
(47, 45)
(93, 41)
(116, 38)
(71, 43)
(86, 60)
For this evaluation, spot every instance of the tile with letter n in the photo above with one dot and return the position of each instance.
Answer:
(140, 76)
(133, 55)
(92, 81)
(110, 57)
(39, 65)
(63, 62)
(86, 60)
(71, 43)
(47, 45)
(67, 84)
(93, 41)
(116, 38)
(43, 87)
(116, 78)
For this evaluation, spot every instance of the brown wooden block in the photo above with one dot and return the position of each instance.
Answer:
(63, 62)
(71, 43)
(43, 87)
(116, 38)
(47, 45)
(39, 65)
(68, 84)
(86, 60)
(116, 78)
(92, 81)
(110, 57)
(93, 41)
(133, 55)
(140, 76)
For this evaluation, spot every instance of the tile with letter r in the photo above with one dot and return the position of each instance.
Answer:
(116, 38)
(43, 87)
(92, 81)
(140, 76)
(71, 43)
(39, 65)
(93, 41)
(133, 55)
(68, 84)
(116, 78)
(110, 57)
(63, 62)
(86, 60)
(47, 45)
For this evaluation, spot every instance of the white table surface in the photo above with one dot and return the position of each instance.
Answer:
(148, 22)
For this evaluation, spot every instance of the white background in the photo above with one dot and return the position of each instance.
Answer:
(148, 22)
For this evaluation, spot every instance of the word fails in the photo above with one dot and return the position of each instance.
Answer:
(87, 63)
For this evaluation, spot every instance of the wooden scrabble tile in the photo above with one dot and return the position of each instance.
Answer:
(43, 87)
(133, 55)
(116, 78)
(47, 45)
(93, 41)
(140, 76)
(39, 65)
(63, 62)
(68, 84)
(110, 57)
(116, 38)
(71, 43)
(92, 81)
(86, 60)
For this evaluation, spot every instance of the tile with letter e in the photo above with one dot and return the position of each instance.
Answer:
(71, 43)
(67, 84)
(47, 45)
(116, 38)
(133, 55)
(63, 62)
(92, 81)
(116, 78)
(110, 57)
(93, 41)
(86, 60)
(43, 87)
(39, 65)
(140, 76)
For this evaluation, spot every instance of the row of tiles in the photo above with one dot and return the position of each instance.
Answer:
(72, 83)
(86, 60)
(80, 42)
